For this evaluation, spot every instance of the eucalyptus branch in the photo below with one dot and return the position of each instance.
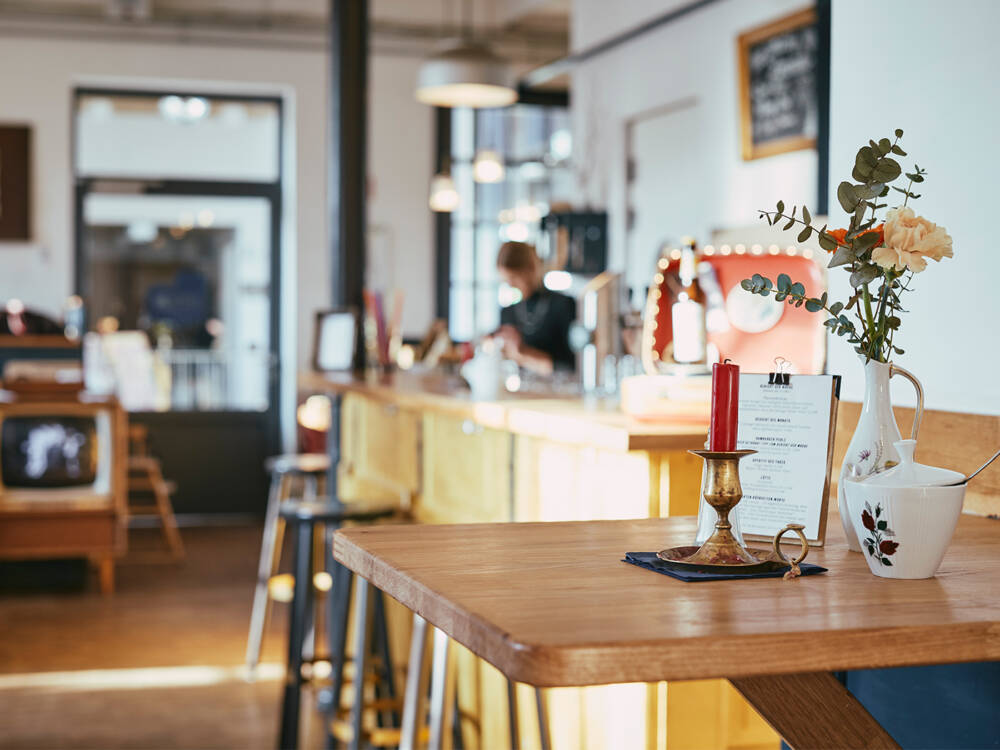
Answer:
(875, 313)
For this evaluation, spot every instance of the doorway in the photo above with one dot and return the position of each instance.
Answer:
(178, 225)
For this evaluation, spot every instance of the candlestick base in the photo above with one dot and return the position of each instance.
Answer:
(723, 492)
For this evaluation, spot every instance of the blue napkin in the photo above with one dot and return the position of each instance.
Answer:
(650, 561)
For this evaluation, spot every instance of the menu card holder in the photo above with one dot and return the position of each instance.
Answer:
(791, 421)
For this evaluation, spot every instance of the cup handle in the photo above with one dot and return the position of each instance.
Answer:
(798, 529)
(896, 369)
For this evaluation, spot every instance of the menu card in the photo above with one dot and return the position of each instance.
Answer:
(790, 421)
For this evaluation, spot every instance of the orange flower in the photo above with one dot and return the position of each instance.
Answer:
(840, 235)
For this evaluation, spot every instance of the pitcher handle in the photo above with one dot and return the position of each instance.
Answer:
(894, 369)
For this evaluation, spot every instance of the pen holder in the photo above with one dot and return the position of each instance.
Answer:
(723, 492)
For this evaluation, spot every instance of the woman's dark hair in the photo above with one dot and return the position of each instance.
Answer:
(517, 256)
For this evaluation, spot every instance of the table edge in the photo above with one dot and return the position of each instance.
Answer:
(743, 656)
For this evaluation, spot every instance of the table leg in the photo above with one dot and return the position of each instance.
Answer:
(413, 697)
(813, 711)
(439, 690)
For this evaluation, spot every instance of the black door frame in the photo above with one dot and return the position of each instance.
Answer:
(270, 191)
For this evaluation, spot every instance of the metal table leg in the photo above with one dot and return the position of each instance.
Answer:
(413, 696)
(362, 626)
(439, 690)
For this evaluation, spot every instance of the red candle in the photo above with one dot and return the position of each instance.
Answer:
(725, 406)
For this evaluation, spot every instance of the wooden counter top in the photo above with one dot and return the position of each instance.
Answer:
(565, 419)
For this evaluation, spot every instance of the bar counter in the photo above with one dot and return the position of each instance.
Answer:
(579, 420)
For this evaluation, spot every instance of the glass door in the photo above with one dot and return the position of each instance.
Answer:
(178, 226)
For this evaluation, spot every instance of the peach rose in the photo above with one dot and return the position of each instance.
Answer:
(910, 240)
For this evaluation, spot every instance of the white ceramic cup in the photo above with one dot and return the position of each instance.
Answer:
(904, 531)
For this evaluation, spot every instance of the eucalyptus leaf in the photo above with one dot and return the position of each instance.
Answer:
(784, 282)
(798, 289)
(805, 215)
(864, 275)
(887, 170)
(899, 133)
(836, 307)
(885, 146)
(841, 257)
(866, 156)
(804, 234)
(826, 241)
(865, 242)
(898, 151)
(813, 305)
(845, 194)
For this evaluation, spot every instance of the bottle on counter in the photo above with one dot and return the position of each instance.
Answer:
(688, 310)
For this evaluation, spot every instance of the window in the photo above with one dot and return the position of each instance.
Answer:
(533, 143)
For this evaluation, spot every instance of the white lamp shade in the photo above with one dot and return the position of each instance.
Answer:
(444, 197)
(467, 75)
(488, 166)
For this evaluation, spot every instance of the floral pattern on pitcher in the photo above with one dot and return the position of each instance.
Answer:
(877, 543)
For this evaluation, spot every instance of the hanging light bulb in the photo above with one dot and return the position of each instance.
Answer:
(444, 197)
(488, 167)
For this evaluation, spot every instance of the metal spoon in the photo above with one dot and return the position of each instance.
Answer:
(966, 479)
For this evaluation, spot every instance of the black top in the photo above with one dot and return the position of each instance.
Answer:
(543, 321)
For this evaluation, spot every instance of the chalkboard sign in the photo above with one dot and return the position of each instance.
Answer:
(777, 73)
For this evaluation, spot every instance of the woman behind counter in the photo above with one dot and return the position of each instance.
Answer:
(535, 331)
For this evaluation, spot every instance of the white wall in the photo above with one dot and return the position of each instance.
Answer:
(932, 69)
(930, 72)
(689, 64)
(37, 76)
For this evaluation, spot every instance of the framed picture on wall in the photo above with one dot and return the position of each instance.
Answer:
(15, 183)
(778, 71)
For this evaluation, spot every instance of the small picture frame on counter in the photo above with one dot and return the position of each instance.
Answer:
(336, 334)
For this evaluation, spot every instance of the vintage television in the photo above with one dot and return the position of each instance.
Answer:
(63, 473)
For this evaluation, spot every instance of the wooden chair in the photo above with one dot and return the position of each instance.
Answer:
(145, 477)
(44, 512)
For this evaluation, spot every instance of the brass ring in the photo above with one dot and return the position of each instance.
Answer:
(798, 529)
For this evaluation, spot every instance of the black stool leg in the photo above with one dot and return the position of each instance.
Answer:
(301, 604)
(387, 683)
(340, 608)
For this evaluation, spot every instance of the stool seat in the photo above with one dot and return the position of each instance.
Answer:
(325, 511)
(298, 463)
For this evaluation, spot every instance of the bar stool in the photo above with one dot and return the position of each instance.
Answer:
(440, 698)
(306, 516)
(310, 471)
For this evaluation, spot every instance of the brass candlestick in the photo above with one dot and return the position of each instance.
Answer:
(723, 492)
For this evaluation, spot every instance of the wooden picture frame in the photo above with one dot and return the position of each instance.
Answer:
(323, 358)
(15, 183)
(790, 40)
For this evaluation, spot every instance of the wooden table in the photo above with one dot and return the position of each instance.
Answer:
(552, 605)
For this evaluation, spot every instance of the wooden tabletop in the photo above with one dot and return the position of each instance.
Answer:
(547, 415)
(550, 604)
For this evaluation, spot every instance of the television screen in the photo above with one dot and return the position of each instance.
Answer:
(48, 451)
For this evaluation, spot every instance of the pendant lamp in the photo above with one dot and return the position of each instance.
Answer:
(466, 74)
(444, 196)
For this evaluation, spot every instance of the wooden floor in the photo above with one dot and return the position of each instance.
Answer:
(158, 665)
